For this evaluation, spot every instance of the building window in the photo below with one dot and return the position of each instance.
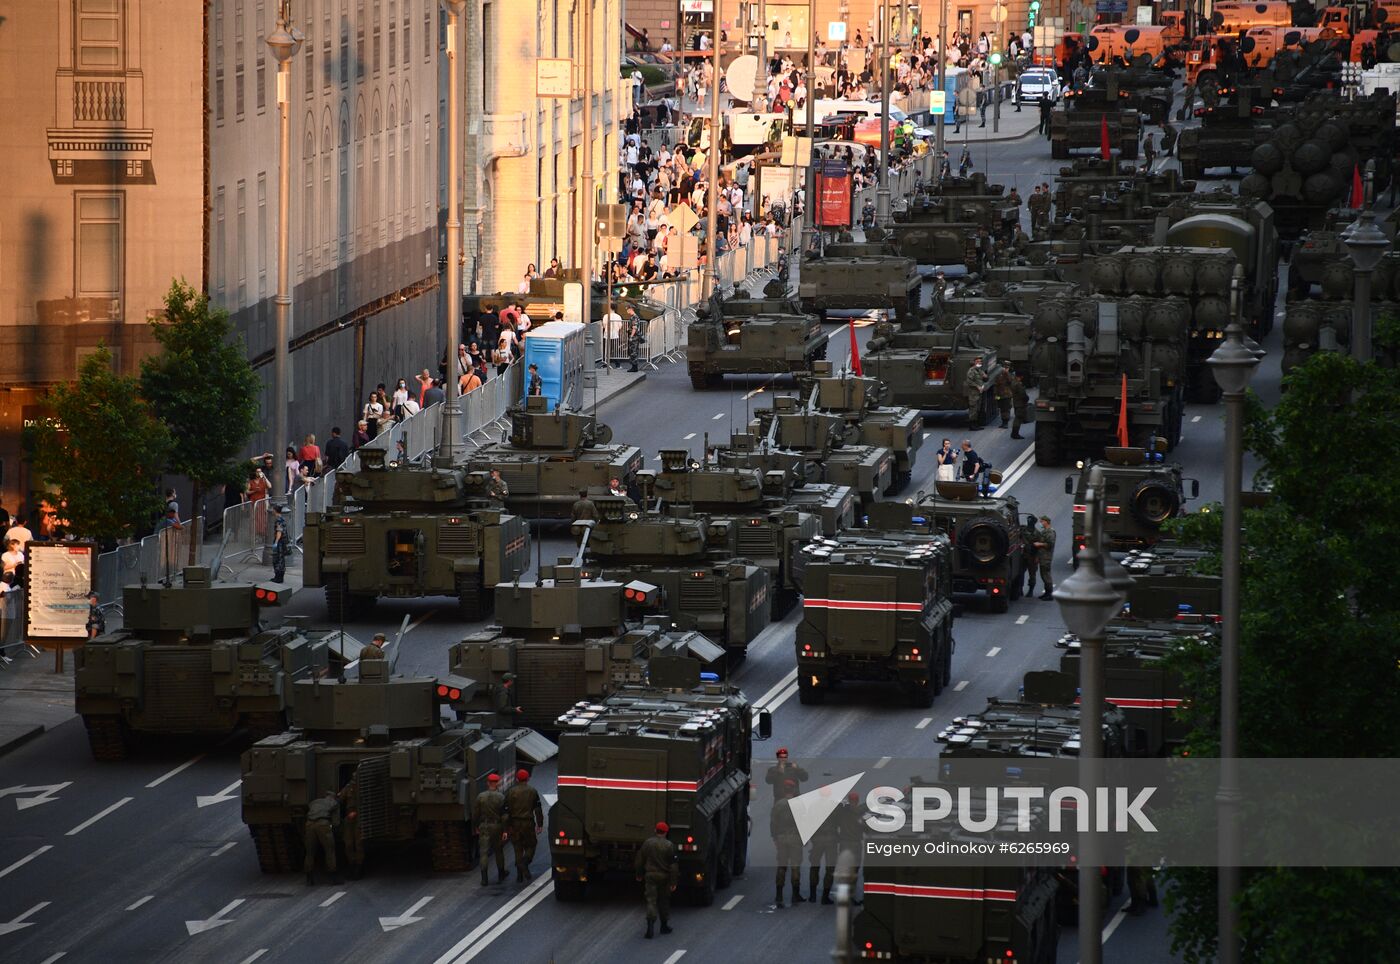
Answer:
(377, 35)
(219, 61)
(428, 29)
(360, 41)
(308, 194)
(391, 177)
(360, 176)
(327, 224)
(242, 241)
(100, 32)
(99, 233)
(220, 246)
(410, 212)
(262, 234)
(343, 201)
(377, 185)
(429, 195)
(261, 79)
(488, 88)
(393, 34)
(310, 47)
(326, 69)
(407, 23)
(238, 58)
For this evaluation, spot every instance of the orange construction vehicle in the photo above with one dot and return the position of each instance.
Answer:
(1108, 42)
(1069, 44)
(1234, 17)
(1260, 45)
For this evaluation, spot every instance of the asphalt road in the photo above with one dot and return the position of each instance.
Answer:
(149, 860)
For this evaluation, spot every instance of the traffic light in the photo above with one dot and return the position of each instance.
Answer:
(1033, 13)
(994, 60)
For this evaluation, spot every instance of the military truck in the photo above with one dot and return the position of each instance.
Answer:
(409, 530)
(927, 369)
(379, 742)
(1228, 132)
(195, 658)
(877, 605)
(548, 456)
(916, 913)
(1077, 121)
(828, 441)
(678, 750)
(728, 599)
(1142, 491)
(1168, 586)
(742, 335)
(985, 531)
(862, 402)
(860, 276)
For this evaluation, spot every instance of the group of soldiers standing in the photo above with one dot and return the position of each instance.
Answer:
(841, 832)
(1009, 390)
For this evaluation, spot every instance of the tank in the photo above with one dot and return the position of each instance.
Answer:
(860, 275)
(647, 754)
(401, 772)
(984, 530)
(1143, 493)
(404, 531)
(742, 335)
(548, 456)
(196, 658)
(926, 370)
(877, 605)
(1077, 121)
(862, 402)
(829, 442)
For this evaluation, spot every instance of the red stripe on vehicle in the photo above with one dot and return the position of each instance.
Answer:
(870, 605)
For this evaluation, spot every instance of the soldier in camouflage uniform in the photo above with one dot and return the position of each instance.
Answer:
(787, 843)
(280, 544)
(322, 817)
(496, 487)
(1001, 388)
(635, 338)
(374, 649)
(488, 817)
(525, 812)
(1020, 404)
(1045, 551)
(659, 873)
(973, 385)
(1030, 555)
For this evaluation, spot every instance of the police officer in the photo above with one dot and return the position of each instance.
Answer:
(536, 383)
(1001, 388)
(783, 773)
(973, 384)
(280, 545)
(488, 817)
(496, 487)
(322, 817)
(787, 842)
(374, 649)
(525, 812)
(1020, 404)
(656, 868)
(1045, 551)
(1030, 555)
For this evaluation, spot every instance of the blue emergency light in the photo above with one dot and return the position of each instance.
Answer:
(709, 677)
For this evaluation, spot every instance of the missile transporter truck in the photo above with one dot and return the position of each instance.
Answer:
(860, 276)
(861, 402)
(406, 531)
(1077, 121)
(1246, 228)
(829, 441)
(549, 456)
(1142, 493)
(741, 336)
(1314, 324)
(985, 531)
(727, 599)
(193, 658)
(379, 743)
(927, 370)
(877, 605)
(678, 750)
(921, 913)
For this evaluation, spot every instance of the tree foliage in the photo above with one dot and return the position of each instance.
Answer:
(1320, 649)
(104, 453)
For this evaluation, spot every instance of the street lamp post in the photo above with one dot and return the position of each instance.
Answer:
(451, 409)
(1366, 244)
(809, 218)
(1089, 598)
(712, 167)
(940, 147)
(882, 194)
(760, 72)
(1232, 364)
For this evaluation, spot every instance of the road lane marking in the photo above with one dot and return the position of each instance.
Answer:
(24, 860)
(1195, 419)
(254, 956)
(923, 724)
(688, 437)
(881, 763)
(225, 848)
(1019, 467)
(676, 956)
(143, 900)
(53, 957)
(1021, 620)
(333, 898)
(961, 686)
(420, 620)
(732, 902)
(222, 796)
(179, 769)
(498, 923)
(96, 817)
(994, 650)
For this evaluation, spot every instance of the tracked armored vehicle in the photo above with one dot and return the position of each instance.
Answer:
(1142, 491)
(942, 230)
(860, 276)
(195, 658)
(741, 335)
(863, 403)
(985, 532)
(411, 530)
(1077, 121)
(829, 441)
(927, 370)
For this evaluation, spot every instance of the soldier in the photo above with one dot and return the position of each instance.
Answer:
(656, 867)
(584, 511)
(96, 621)
(1045, 104)
(787, 843)
(782, 773)
(1030, 555)
(279, 544)
(636, 338)
(1142, 888)
(503, 699)
(526, 815)
(850, 825)
(823, 846)
(1168, 138)
(488, 815)
(374, 649)
(322, 817)
(496, 487)
(1149, 151)
(350, 830)
(1045, 550)
(1001, 388)
(1020, 404)
(940, 287)
(973, 384)
(1037, 205)
(536, 383)
(1020, 241)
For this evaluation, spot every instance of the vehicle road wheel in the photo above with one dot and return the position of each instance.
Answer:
(807, 694)
(471, 596)
(569, 891)
(1049, 444)
(449, 846)
(921, 693)
(724, 871)
(108, 737)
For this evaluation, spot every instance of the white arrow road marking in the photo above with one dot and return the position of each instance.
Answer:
(166, 776)
(96, 817)
(404, 919)
(24, 860)
(42, 794)
(217, 920)
(140, 902)
(225, 794)
(19, 923)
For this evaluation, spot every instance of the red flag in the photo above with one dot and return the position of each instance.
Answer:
(1358, 189)
(1104, 150)
(855, 351)
(1123, 415)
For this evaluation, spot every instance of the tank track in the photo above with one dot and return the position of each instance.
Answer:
(451, 847)
(107, 737)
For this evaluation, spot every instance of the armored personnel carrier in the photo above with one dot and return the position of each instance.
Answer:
(1167, 585)
(194, 658)
(1077, 121)
(862, 403)
(942, 229)
(741, 335)
(830, 442)
(1142, 492)
(985, 531)
(379, 742)
(877, 605)
(917, 912)
(411, 530)
(703, 586)
(549, 456)
(862, 276)
(927, 370)
(678, 750)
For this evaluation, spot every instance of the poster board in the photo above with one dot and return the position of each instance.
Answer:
(833, 195)
(58, 578)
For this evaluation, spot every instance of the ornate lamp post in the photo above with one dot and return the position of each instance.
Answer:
(1366, 245)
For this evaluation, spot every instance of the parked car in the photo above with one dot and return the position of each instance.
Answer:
(1036, 81)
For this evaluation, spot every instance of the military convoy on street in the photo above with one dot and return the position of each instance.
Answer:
(985, 528)
(1141, 493)
(742, 335)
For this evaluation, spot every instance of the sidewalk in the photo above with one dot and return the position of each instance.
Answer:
(1013, 126)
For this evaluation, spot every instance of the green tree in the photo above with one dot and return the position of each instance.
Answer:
(1320, 649)
(103, 452)
(202, 387)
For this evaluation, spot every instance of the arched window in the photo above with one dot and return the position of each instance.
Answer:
(327, 205)
(377, 188)
(361, 187)
(342, 205)
(308, 200)
(391, 178)
(410, 217)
